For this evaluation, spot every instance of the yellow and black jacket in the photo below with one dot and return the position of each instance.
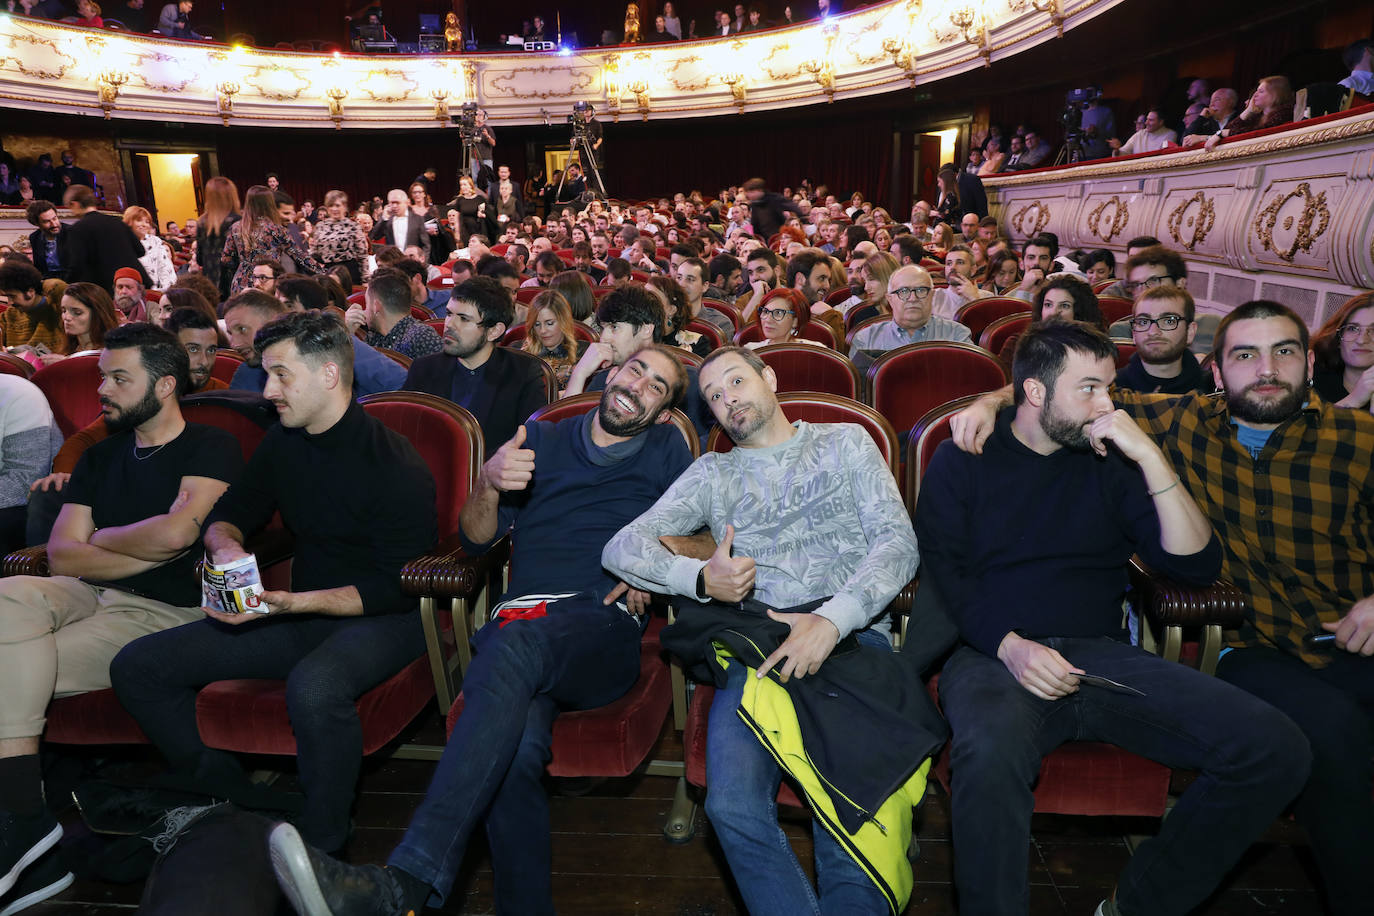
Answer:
(857, 736)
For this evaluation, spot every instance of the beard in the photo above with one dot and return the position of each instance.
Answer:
(618, 423)
(130, 417)
(1062, 430)
(454, 347)
(1162, 357)
(743, 428)
(1244, 408)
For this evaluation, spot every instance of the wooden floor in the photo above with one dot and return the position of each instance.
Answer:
(610, 857)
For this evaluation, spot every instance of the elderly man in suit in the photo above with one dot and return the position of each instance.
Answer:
(403, 227)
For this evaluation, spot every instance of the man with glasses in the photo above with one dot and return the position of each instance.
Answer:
(1153, 267)
(265, 274)
(1163, 328)
(909, 296)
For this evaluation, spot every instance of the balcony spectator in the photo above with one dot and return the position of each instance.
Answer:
(1099, 129)
(1155, 136)
(9, 186)
(1359, 57)
(1219, 113)
(671, 21)
(133, 15)
(1036, 153)
(994, 159)
(43, 177)
(1270, 106)
(88, 16)
(174, 21)
(660, 32)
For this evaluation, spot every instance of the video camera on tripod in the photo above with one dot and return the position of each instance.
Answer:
(466, 119)
(1072, 121)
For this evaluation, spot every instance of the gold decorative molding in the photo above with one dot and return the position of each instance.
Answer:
(1121, 215)
(375, 87)
(1313, 210)
(570, 85)
(1200, 223)
(1038, 222)
(274, 82)
(62, 62)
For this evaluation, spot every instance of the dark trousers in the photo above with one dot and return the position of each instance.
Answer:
(327, 663)
(1251, 759)
(1334, 707)
(581, 656)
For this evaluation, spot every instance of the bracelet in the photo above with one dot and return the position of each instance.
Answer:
(1166, 489)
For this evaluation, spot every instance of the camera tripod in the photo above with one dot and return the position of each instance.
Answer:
(591, 170)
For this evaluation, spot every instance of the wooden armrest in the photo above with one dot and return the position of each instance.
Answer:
(453, 573)
(30, 561)
(1174, 604)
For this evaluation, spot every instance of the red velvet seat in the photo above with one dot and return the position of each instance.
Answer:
(1125, 349)
(13, 365)
(600, 292)
(725, 309)
(905, 383)
(818, 331)
(995, 336)
(980, 313)
(437, 324)
(1102, 285)
(420, 313)
(611, 740)
(804, 367)
(852, 330)
(226, 364)
(1115, 308)
(70, 386)
(686, 357)
(526, 294)
(836, 296)
(707, 330)
(358, 298)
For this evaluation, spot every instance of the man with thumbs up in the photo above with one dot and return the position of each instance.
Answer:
(806, 517)
(561, 638)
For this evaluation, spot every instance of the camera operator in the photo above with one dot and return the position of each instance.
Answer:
(1098, 125)
(483, 151)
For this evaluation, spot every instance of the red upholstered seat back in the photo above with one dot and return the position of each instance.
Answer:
(242, 427)
(686, 357)
(13, 365)
(996, 335)
(906, 383)
(707, 330)
(724, 308)
(358, 298)
(926, 436)
(447, 438)
(815, 407)
(976, 316)
(70, 386)
(803, 367)
(526, 294)
(516, 335)
(1125, 349)
(1114, 308)
(226, 364)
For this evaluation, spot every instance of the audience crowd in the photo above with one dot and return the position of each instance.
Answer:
(1237, 449)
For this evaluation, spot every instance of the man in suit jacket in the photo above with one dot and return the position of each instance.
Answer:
(47, 243)
(500, 386)
(98, 244)
(403, 227)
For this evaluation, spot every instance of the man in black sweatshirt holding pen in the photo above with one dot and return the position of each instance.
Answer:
(1038, 605)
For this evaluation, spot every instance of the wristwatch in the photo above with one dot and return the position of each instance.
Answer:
(701, 583)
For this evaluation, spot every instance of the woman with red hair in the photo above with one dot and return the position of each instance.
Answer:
(780, 317)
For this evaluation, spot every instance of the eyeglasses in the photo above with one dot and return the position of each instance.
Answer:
(775, 314)
(1356, 331)
(1148, 283)
(1165, 322)
(910, 293)
(263, 278)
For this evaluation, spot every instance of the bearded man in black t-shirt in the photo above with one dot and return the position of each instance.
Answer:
(122, 559)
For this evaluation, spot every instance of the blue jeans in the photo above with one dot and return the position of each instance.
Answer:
(1334, 706)
(581, 656)
(327, 662)
(1251, 760)
(742, 780)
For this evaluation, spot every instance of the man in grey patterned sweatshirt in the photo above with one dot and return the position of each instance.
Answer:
(799, 513)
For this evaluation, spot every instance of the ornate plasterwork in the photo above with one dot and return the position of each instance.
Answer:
(565, 84)
(37, 57)
(388, 86)
(1188, 230)
(278, 83)
(1307, 226)
(1119, 214)
(1037, 222)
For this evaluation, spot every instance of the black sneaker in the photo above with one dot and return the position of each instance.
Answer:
(48, 877)
(318, 885)
(22, 841)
